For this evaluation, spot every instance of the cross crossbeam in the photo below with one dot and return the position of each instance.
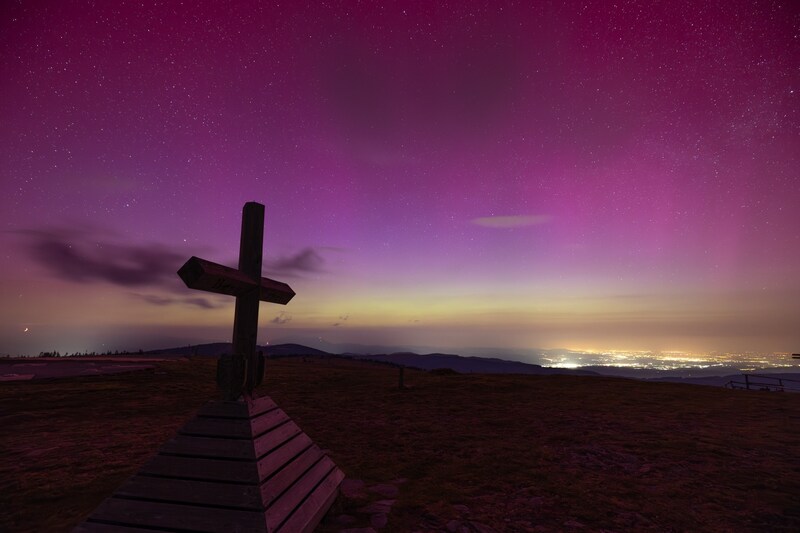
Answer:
(204, 275)
(241, 372)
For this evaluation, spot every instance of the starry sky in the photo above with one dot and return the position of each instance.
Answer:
(588, 175)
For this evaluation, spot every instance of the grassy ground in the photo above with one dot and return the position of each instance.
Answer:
(516, 453)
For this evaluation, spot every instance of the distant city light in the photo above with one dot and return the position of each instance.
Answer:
(669, 360)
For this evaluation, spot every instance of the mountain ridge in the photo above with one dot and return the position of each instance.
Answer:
(472, 364)
(431, 361)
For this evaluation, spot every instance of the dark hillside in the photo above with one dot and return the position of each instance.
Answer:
(498, 452)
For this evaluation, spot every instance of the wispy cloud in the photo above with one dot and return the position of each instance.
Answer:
(85, 258)
(306, 261)
(89, 256)
(511, 221)
(155, 299)
(282, 318)
(197, 301)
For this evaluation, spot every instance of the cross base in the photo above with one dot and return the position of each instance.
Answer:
(236, 466)
(233, 372)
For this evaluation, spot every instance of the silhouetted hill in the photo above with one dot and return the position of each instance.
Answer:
(468, 365)
(464, 365)
(204, 350)
(289, 350)
(217, 348)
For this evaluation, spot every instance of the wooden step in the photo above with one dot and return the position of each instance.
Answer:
(236, 466)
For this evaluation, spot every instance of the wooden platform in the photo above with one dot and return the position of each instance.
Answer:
(235, 467)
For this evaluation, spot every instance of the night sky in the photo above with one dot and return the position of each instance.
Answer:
(585, 175)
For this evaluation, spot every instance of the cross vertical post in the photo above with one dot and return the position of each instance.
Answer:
(245, 318)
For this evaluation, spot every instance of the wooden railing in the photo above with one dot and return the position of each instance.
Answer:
(765, 383)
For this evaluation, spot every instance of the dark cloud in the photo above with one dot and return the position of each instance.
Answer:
(306, 261)
(282, 318)
(83, 258)
(155, 300)
(197, 301)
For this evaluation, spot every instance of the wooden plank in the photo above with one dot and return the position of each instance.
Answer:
(267, 421)
(232, 409)
(300, 489)
(209, 447)
(276, 292)
(234, 427)
(205, 275)
(275, 460)
(218, 427)
(245, 333)
(133, 513)
(251, 239)
(261, 405)
(274, 438)
(224, 409)
(98, 527)
(202, 468)
(245, 315)
(192, 492)
(313, 509)
(291, 472)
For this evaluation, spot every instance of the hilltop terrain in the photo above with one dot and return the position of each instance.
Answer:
(481, 452)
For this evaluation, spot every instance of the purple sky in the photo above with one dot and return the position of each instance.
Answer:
(542, 174)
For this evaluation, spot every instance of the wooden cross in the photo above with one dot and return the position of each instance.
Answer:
(239, 373)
